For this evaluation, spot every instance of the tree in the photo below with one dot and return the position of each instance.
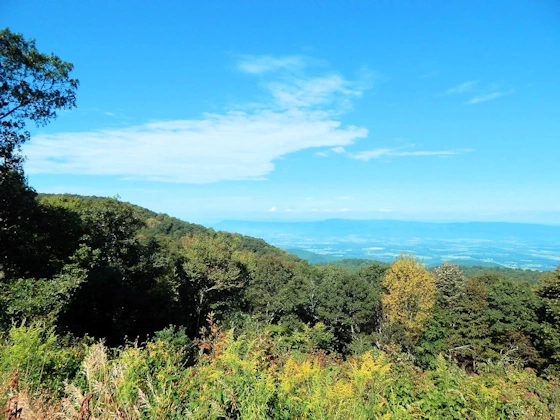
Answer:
(450, 282)
(548, 289)
(215, 275)
(33, 86)
(124, 286)
(494, 319)
(373, 273)
(410, 294)
(18, 217)
(346, 302)
(512, 316)
(274, 289)
(467, 328)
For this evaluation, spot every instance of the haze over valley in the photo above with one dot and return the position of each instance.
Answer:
(512, 245)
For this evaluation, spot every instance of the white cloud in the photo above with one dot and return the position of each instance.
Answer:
(338, 149)
(273, 209)
(301, 114)
(472, 85)
(462, 88)
(265, 63)
(371, 154)
(293, 88)
(298, 93)
(321, 154)
(378, 153)
(489, 97)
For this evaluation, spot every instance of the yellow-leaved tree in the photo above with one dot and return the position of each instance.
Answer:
(410, 294)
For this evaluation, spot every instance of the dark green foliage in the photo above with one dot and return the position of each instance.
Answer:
(347, 302)
(18, 220)
(163, 227)
(35, 240)
(276, 288)
(351, 264)
(468, 333)
(512, 317)
(33, 86)
(548, 289)
(490, 318)
(517, 274)
(121, 293)
(215, 276)
(373, 272)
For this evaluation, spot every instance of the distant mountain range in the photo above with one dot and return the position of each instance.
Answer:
(515, 245)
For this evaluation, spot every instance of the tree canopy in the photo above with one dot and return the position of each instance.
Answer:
(33, 87)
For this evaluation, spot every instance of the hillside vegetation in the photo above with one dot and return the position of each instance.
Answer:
(517, 274)
(110, 308)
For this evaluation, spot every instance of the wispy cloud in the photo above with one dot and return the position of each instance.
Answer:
(489, 97)
(482, 94)
(462, 88)
(378, 153)
(234, 146)
(321, 154)
(312, 92)
(296, 83)
(266, 63)
(338, 149)
(300, 114)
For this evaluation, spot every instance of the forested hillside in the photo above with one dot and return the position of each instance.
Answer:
(264, 321)
(517, 274)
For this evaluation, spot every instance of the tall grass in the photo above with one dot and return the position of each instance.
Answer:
(251, 374)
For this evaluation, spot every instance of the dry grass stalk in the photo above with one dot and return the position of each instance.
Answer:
(85, 413)
(14, 381)
(12, 409)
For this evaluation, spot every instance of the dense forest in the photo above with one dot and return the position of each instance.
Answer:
(109, 310)
(518, 274)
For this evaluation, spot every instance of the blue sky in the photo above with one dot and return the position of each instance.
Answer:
(305, 110)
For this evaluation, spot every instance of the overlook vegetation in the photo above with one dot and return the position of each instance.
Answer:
(144, 314)
(109, 310)
(517, 274)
